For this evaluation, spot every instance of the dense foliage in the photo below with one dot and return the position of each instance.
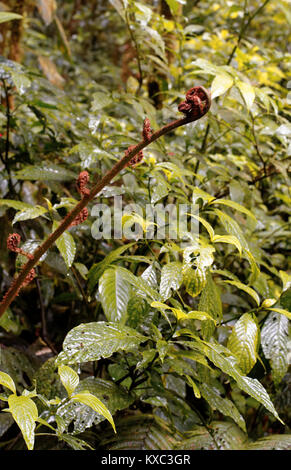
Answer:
(142, 341)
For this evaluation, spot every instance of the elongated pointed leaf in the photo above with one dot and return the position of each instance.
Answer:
(28, 214)
(232, 227)
(224, 405)
(282, 311)
(142, 286)
(98, 269)
(47, 173)
(114, 292)
(7, 381)
(243, 342)
(80, 416)
(91, 341)
(247, 91)
(226, 436)
(194, 280)
(24, 412)
(221, 84)
(210, 302)
(18, 205)
(234, 205)
(274, 340)
(171, 279)
(251, 386)
(245, 288)
(273, 442)
(66, 246)
(69, 378)
(9, 16)
(228, 239)
(90, 400)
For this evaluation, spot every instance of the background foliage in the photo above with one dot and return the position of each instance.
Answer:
(186, 348)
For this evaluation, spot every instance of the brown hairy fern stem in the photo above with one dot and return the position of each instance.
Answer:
(195, 106)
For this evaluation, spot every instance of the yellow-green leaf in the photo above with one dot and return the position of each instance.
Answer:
(243, 342)
(194, 386)
(247, 92)
(247, 289)
(194, 280)
(221, 84)
(7, 382)
(233, 205)
(9, 16)
(66, 246)
(94, 403)
(24, 412)
(228, 239)
(280, 310)
(205, 224)
(28, 214)
(69, 379)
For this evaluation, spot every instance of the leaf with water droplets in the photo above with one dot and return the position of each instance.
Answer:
(91, 341)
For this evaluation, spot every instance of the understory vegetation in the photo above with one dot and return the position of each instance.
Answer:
(145, 225)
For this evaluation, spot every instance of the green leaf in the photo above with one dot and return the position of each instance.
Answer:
(98, 269)
(18, 365)
(199, 193)
(221, 84)
(75, 443)
(80, 416)
(205, 224)
(69, 378)
(7, 381)
(159, 188)
(194, 280)
(234, 205)
(174, 5)
(18, 205)
(228, 239)
(100, 100)
(194, 386)
(282, 311)
(245, 288)
(66, 246)
(273, 442)
(46, 173)
(180, 315)
(137, 310)
(9, 16)
(21, 82)
(243, 342)
(285, 299)
(90, 400)
(247, 92)
(225, 436)
(140, 432)
(30, 213)
(171, 279)
(10, 322)
(114, 292)
(232, 227)
(252, 387)
(141, 284)
(210, 302)
(24, 412)
(224, 405)
(274, 340)
(91, 341)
